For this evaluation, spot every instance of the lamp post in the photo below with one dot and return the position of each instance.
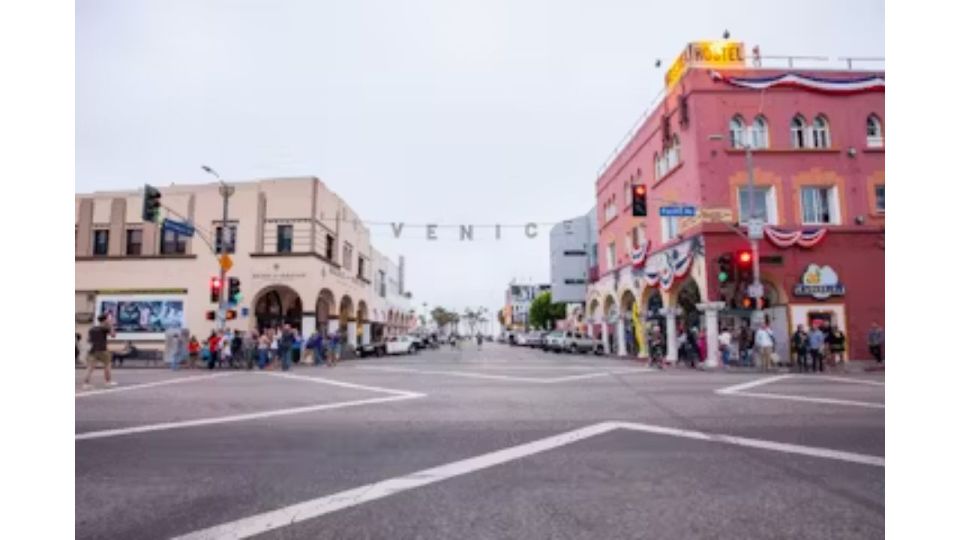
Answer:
(225, 192)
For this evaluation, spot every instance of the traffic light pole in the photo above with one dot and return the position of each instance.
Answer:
(225, 191)
(754, 243)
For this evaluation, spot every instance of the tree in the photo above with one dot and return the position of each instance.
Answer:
(544, 313)
(473, 317)
(444, 317)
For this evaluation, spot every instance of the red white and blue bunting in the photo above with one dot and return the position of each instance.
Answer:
(805, 238)
(639, 255)
(873, 83)
(669, 267)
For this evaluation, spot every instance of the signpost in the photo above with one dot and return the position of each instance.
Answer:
(678, 211)
(179, 227)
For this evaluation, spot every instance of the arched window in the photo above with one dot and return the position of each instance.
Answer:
(821, 132)
(874, 132)
(736, 132)
(675, 150)
(798, 128)
(759, 133)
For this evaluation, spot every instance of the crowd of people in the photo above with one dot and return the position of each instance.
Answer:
(266, 349)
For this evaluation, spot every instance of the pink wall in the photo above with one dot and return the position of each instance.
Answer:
(707, 166)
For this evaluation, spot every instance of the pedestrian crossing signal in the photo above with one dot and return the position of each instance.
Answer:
(211, 315)
(231, 314)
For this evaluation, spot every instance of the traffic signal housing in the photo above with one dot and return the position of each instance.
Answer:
(233, 291)
(215, 288)
(724, 267)
(744, 258)
(748, 302)
(211, 315)
(151, 204)
(640, 200)
(231, 314)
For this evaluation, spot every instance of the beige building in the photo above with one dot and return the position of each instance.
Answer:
(300, 252)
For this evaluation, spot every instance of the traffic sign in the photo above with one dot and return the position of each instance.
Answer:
(755, 290)
(178, 227)
(678, 211)
(755, 229)
(226, 263)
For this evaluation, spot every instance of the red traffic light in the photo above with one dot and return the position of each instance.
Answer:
(639, 190)
(214, 283)
(744, 258)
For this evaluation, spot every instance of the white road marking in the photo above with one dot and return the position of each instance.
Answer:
(751, 384)
(790, 397)
(237, 417)
(314, 508)
(116, 389)
(267, 521)
(826, 453)
(491, 376)
(343, 384)
(395, 395)
(738, 390)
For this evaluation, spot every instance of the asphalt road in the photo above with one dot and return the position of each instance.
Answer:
(499, 443)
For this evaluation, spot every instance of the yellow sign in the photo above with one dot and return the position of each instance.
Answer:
(717, 54)
(226, 262)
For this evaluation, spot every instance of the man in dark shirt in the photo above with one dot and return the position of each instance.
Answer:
(97, 337)
(286, 346)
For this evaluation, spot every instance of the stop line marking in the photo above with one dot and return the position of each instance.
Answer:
(314, 508)
(512, 378)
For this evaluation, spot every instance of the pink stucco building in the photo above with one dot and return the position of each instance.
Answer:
(818, 163)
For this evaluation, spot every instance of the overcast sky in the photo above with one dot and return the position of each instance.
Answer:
(445, 112)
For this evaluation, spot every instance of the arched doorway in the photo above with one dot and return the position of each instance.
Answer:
(688, 296)
(627, 301)
(346, 312)
(325, 309)
(278, 305)
(362, 319)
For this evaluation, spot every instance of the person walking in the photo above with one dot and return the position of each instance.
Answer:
(263, 350)
(226, 350)
(249, 345)
(479, 341)
(236, 348)
(800, 343)
(656, 346)
(318, 350)
(837, 343)
(97, 337)
(287, 340)
(193, 348)
(764, 340)
(274, 347)
(745, 343)
(213, 343)
(726, 340)
(815, 343)
(76, 350)
(875, 342)
(701, 345)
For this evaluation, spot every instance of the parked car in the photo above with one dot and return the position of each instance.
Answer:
(533, 339)
(374, 348)
(401, 345)
(551, 342)
(577, 343)
(519, 339)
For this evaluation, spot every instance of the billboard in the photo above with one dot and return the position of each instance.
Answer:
(143, 316)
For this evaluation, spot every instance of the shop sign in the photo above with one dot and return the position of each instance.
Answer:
(718, 54)
(820, 282)
(278, 276)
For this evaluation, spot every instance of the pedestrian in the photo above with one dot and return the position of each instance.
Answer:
(236, 348)
(875, 342)
(745, 343)
(837, 343)
(319, 354)
(263, 350)
(479, 341)
(76, 350)
(249, 346)
(297, 352)
(193, 348)
(764, 340)
(702, 345)
(213, 344)
(800, 342)
(815, 343)
(97, 336)
(286, 345)
(274, 347)
(725, 341)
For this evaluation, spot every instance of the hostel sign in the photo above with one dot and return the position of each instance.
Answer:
(717, 54)
(820, 282)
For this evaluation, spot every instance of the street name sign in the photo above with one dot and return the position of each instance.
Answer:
(178, 227)
(678, 211)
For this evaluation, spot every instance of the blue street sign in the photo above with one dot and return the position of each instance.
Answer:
(178, 227)
(244, 312)
(678, 211)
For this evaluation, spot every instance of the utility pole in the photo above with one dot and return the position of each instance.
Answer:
(225, 192)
